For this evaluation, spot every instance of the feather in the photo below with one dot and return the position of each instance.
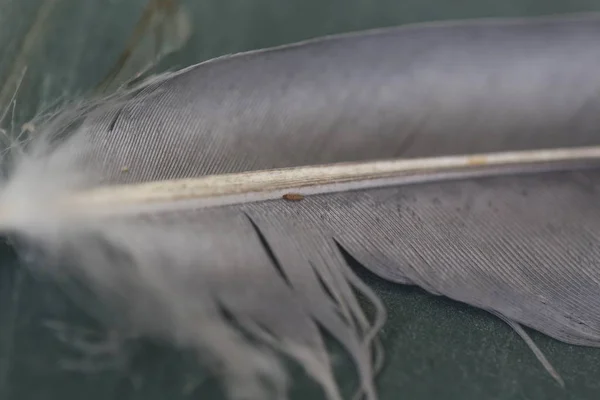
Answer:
(460, 157)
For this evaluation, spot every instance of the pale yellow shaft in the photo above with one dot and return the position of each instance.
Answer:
(269, 184)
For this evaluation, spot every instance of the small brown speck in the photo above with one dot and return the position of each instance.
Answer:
(293, 197)
(125, 169)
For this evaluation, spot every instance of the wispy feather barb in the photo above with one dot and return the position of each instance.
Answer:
(167, 199)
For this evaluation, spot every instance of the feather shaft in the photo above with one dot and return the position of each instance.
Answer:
(227, 189)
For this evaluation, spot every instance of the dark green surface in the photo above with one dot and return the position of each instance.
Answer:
(435, 348)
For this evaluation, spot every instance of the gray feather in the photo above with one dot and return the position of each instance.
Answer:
(523, 246)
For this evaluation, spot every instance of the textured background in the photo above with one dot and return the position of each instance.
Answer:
(435, 348)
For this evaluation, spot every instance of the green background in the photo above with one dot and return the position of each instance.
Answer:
(435, 348)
